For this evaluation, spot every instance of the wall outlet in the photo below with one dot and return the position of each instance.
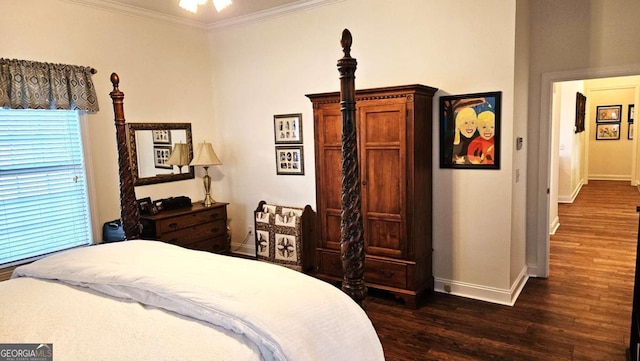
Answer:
(250, 229)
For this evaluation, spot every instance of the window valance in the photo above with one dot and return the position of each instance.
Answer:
(34, 85)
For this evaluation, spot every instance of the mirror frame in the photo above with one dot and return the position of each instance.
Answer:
(131, 144)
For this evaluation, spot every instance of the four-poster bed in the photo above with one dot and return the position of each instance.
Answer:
(144, 300)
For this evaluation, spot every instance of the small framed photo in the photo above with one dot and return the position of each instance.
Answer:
(608, 131)
(160, 156)
(470, 131)
(608, 113)
(145, 206)
(631, 112)
(287, 128)
(630, 132)
(161, 136)
(289, 160)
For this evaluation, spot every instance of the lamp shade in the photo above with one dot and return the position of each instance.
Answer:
(205, 155)
(179, 156)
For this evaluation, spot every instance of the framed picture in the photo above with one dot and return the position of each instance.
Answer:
(470, 131)
(145, 206)
(287, 128)
(631, 112)
(289, 160)
(161, 136)
(630, 131)
(581, 106)
(160, 156)
(608, 131)
(608, 113)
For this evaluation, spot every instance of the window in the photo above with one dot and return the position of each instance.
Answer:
(44, 205)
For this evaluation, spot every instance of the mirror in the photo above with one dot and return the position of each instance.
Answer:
(150, 146)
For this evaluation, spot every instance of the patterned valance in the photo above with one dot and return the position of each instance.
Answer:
(33, 85)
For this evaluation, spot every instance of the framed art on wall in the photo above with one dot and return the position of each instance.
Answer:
(287, 128)
(608, 113)
(581, 106)
(160, 156)
(470, 131)
(289, 160)
(161, 136)
(607, 131)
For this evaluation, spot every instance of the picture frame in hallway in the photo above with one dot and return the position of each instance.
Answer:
(289, 160)
(608, 131)
(631, 113)
(470, 130)
(608, 113)
(287, 128)
(630, 131)
(581, 106)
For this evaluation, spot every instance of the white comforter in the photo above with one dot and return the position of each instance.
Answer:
(284, 314)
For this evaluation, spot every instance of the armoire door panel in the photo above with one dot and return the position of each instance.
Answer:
(383, 124)
(382, 186)
(332, 229)
(331, 177)
(384, 237)
(331, 127)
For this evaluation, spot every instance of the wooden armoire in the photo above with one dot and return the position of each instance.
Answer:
(394, 127)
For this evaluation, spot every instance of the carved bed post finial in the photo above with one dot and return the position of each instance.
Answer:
(351, 229)
(128, 207)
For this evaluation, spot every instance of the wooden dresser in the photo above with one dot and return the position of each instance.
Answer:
(197, 227)
(394, 128)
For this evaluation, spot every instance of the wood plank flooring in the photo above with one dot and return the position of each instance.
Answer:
(581, 312)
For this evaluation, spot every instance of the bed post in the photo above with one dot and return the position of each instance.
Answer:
(128, 206)
(351, 229)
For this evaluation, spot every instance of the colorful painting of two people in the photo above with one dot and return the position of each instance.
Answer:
(470, 131)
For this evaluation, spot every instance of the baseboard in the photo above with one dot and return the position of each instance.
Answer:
(553, 227)
(572, 197)
(483, 293)
(625, 178)
(243, 249)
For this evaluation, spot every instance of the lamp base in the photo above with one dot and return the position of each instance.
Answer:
(206, 180)
(208, 201)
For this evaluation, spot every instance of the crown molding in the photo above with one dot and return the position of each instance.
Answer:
(121, 8)
(117, 7)
(298, 6)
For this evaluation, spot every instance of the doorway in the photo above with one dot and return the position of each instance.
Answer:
(545, 151)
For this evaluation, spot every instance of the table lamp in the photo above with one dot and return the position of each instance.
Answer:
(205, 157)
(179, 156)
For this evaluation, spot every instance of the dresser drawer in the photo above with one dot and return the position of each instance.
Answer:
(375, 272)
(330, 264)
(385, 273)
(191, 219)
(186, 236)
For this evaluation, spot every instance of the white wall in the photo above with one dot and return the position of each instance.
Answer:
(266, 68)
(571, 144)
(164, 72)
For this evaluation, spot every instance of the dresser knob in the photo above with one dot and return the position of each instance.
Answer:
(215, 229)
(387, 274)
(173, 225)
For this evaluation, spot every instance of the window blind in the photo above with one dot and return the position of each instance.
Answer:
(44, 206)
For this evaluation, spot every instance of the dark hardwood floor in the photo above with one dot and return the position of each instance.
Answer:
(581, 312)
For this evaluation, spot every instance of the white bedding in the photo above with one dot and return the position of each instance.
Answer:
(262, 308)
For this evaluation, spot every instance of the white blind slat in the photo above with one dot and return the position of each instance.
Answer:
(43, 192)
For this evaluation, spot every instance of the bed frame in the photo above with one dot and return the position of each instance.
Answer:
(352, 234)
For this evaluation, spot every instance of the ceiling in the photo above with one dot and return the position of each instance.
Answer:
(207, 14)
